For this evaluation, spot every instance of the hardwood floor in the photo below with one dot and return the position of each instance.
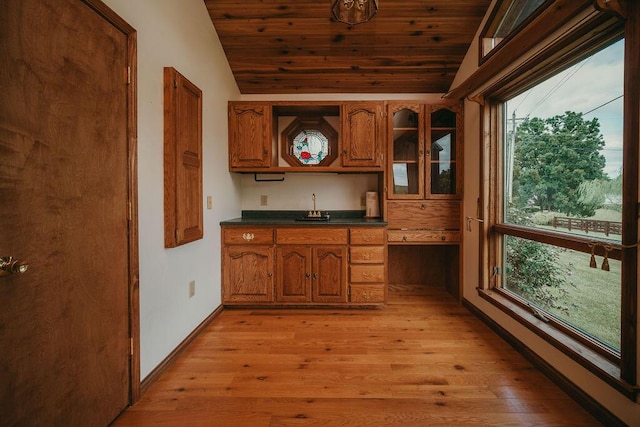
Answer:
(424, 360)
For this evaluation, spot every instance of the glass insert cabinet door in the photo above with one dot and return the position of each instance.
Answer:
(425, 147)
(442, 159)
(407, 157)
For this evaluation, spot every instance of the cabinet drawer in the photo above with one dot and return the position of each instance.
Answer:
(367, 274)
(367, 236)
(312, 236)
(423, 236)
(427, 214)
(367, 293)
(367, 254)
(247, 235)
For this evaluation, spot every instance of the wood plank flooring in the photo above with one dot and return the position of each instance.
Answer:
(424, 360)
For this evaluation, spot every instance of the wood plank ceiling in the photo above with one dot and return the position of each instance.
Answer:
(286, 46)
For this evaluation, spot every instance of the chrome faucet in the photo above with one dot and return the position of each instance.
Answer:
(314, 213)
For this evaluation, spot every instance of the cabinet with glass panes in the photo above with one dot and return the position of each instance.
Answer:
(425, 143)
(424, 185)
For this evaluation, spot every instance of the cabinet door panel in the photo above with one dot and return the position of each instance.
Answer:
(406, 151)
(249, 135)
(248, 274)
(294, 274)
(362, 134)
(426, 214)
(329, 277)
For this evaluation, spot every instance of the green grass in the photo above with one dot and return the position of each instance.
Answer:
(591, 300)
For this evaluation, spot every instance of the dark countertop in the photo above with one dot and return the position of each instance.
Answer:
(337, 218)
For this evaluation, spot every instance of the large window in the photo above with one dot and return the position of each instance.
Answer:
(562, 188)
(563, 175)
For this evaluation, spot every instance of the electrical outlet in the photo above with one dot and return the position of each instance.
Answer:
(264, 200)
(209, 202)
(192, 288)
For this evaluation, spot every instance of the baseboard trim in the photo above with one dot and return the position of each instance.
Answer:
(601, 413)
(162, 367)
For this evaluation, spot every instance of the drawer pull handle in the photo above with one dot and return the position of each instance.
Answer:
(366, 256)
(248, 236)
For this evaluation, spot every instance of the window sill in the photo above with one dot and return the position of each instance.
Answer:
(597, 364)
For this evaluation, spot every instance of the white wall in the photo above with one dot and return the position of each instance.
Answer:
(333, 192)
(619, 405)
(178, 34)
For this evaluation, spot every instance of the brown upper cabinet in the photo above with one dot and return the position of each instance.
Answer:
(255, 133)
(425, 151)
(250, 135)
(424, 187)
(363, 132)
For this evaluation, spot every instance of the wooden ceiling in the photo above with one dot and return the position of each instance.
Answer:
(287, 46)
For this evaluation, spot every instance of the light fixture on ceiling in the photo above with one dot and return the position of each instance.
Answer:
(354, 11)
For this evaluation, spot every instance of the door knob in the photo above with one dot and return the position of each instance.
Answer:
(9, 265)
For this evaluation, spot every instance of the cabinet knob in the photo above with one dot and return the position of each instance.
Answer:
(443, 237)
(404, 238)
(269, 275)
(315, 276)
(307, 275)
(423, 206)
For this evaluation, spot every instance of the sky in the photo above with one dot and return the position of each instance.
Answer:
(585, 87)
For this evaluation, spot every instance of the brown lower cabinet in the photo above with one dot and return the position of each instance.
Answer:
(248, 273)
(304, 265)
(311, 273)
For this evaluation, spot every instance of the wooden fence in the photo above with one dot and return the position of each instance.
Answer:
(587, 225)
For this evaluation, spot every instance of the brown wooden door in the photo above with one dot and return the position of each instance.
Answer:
(249, 135)
(294, 274)
(248, 273)
(329, 277)
(362, 138)
(64, 323)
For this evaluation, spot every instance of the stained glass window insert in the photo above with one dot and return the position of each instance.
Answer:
(310, 146)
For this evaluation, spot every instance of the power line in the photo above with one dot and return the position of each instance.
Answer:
(602, 105)
(558, 85)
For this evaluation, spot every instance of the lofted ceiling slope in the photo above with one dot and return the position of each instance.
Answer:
(286, 46)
